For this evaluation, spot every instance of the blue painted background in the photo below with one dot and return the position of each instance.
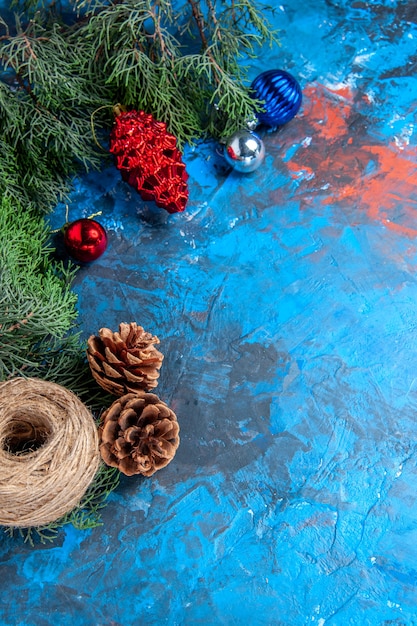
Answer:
(286, 306)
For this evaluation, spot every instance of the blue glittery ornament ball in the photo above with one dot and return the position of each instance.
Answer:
(280, 95)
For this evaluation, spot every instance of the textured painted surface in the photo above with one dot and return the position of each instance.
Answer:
(286, 305)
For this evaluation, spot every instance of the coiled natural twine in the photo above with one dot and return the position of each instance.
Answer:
(49, 452)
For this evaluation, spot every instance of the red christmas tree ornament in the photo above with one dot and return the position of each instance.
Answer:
(149, 160)
(85, 240)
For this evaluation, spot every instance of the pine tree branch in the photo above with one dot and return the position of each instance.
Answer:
(131, 51)
(199, 20)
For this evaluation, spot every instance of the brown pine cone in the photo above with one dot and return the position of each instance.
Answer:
(138, 434)
(125, 361)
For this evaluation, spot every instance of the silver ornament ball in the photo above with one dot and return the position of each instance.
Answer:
(244, 151)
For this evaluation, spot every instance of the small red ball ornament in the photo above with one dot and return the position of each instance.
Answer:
(85, 240)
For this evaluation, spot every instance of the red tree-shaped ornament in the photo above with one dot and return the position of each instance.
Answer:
(149, 160)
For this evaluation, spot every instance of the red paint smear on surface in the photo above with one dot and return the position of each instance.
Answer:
(328, 114)
(344, 163)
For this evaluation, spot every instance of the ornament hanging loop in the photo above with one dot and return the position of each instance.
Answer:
(93, 215)
(117, 110)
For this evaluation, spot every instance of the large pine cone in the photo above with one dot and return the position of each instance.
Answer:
(124, 361)
(138, 434)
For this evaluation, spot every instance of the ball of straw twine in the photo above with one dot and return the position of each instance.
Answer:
(49, 452)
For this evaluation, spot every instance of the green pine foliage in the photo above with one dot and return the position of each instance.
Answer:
(38, 315)
(37, 306)
(183, 62)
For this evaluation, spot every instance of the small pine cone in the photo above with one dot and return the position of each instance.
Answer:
(139, 434)
(125, 361)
